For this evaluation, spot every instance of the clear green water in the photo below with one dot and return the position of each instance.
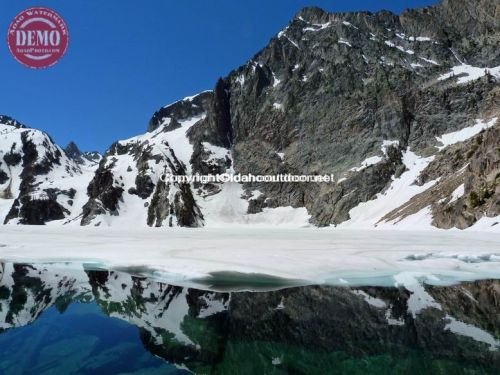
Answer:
(61, 319)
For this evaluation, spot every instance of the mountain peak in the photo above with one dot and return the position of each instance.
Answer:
(187, 107)
(80, 157)
(7, 120)
(311, 14)
(72, 150)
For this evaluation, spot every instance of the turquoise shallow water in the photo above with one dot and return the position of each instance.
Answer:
(81, 339)
(66, 319)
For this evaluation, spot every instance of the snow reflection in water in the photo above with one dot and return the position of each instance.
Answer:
(67, 318)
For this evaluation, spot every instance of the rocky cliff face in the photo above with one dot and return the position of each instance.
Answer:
(434, 329)
(353, 94)
(402, 109)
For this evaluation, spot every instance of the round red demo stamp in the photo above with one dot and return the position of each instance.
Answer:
(38, 37)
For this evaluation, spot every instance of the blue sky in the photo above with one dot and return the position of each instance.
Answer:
(127, 58)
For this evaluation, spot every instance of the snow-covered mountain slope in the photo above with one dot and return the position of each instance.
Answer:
(39, 182)
(130, 186)
(378, 100)
(402, 109)
(453, 188)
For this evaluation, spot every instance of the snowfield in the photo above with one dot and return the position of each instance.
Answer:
(306, 255)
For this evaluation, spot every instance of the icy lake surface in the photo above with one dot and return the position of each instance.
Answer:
(194, 257)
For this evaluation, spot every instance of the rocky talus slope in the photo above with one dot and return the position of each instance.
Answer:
(403, 109)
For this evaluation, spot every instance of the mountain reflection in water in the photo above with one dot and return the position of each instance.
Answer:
(65, 319)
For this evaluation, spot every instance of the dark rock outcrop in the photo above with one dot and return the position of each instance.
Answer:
(80, 157)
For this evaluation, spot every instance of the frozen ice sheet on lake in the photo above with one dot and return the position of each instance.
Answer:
(313, 255)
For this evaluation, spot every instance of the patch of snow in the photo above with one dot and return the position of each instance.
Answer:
(457, 193)
(388, 143)
(225, 207)
(486, 224)
(420, 219)
(342, 41)
(190, 98)
(187, 98)
(214, 305)
(279, 216)
(433, 62)
(278, 106)
(281, 305)
(468, 330)
(413, 38)
(317, 27)
(384, 61)
(390, 320)
(420, 39)
(350, 25)
(276, 81)
(241, 79)
(456, 56)
(372, 301)
(276, 361)
(419, 298)
(401, 190)
(408, 51)
(216, 153)
(467, 73)
(372, 160)
(256, 194)
(295, 44)
(465, 133)
(282, 32)
(392, 45)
